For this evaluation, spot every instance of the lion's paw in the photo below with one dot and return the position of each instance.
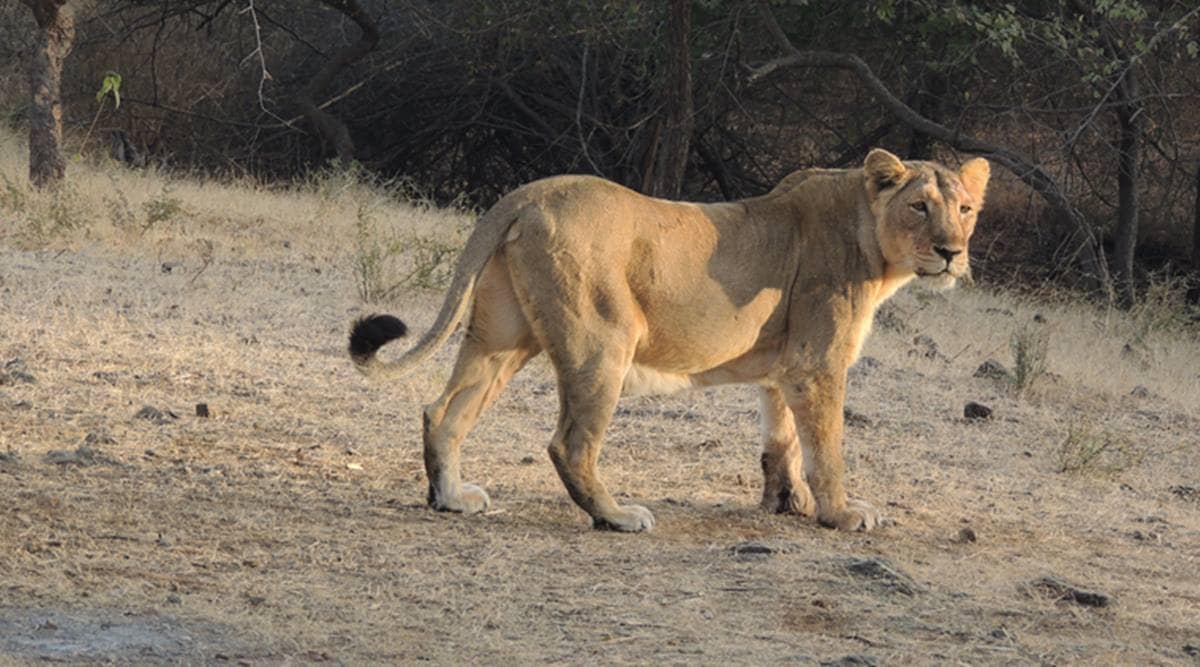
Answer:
(797, 500)
(626, 519)
(858, 515)
(471, 499)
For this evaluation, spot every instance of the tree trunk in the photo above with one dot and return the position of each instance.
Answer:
(56, 34)
(929, 105)
(665, 176)
(331, 128)
(1193, 295)
(1128, 113)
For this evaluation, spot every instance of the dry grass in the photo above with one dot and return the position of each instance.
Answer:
(289, 526)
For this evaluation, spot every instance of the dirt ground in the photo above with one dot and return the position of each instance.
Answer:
(288, 526)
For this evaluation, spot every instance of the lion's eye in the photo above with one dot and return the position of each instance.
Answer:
(919, 207)
(964, 209)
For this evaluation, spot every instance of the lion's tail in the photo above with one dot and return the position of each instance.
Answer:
(374, 331)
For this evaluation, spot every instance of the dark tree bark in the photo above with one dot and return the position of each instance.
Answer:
(56, 34)
(331, 128)
(664, 178)
(929, 104)
(1128, 114)
(1193, 295)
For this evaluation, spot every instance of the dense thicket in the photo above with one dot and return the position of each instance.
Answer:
(469, 99)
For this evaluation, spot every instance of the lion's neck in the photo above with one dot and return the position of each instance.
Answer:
(821, 203)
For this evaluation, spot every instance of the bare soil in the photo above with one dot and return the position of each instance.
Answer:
(289, 525)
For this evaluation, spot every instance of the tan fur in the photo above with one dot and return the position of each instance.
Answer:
(626, 293)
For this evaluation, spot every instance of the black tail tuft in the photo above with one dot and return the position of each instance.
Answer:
(372, 332)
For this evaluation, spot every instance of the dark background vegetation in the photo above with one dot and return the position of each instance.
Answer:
(1087, 109)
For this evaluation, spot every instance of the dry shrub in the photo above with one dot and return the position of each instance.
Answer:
(1085, 450)
(1030, 346)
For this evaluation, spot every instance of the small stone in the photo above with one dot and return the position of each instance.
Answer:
(1185, 492)
(1140, 391)
(528, 460)
(1039, 318)
(105, 376)
(976, 411)
(753, 548)
(94, 438)
(82, 456)
(1191, 649)
(855, 419)
(881, 570)
(1065, 591)
(991, 369)
(202, 410)
(14, 372)
(151, 413)
(174, 599)
(965, 535)
(865, 366)
(925, 347)
(888, 319)
(851, 661)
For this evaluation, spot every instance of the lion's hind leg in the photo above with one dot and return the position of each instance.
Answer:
(588, 396)
(784, 488)
(497, 344)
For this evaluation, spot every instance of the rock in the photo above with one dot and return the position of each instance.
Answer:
(1065, 591)
(888, 319)
(10, 457)
(174, 599)
(202, 410)
(999, 311)
(992, 370)
(855, 419)
(752, 549)
(865, 366)
(94, 438)
(1039, 318)
(82, 456)
(1185, 492)
(882, 571)
(528, 460)
(966, 534)
(851, 661)
(105, 376)
(925, 346)
(976, 411)
(151, 413)
(1192, 650)
(14, 372)
(1140, 391)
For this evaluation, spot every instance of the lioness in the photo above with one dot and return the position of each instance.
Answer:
(628, 294)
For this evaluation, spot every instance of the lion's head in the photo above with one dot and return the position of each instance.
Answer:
(925, 214)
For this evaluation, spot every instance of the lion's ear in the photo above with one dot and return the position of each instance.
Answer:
(883, 170)
(974, 175)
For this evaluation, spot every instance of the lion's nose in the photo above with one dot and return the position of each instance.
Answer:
(947, 254)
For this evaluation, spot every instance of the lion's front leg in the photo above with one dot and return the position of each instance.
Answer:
(784, 488)
(817, 404)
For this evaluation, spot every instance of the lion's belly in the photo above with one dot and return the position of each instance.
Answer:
(704, 331)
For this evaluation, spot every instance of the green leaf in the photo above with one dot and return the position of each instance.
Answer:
(110, 84)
